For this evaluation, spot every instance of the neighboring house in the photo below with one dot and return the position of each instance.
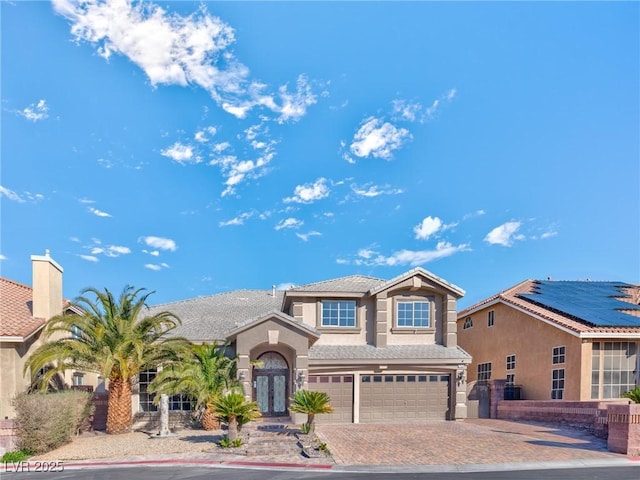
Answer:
(563, 340)
(383, 350)
(24, 311)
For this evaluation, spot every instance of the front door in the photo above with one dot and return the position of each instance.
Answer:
(270, 381)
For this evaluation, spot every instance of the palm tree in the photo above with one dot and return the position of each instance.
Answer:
(311, 403)
(112, 337)
(203, 372)
(235, 411)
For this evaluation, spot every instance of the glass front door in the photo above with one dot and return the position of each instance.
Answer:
(270, 392)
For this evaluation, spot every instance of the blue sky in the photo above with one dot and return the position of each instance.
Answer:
(194, 148)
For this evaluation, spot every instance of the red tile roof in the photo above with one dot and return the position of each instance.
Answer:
(15, 310)
(511, 297)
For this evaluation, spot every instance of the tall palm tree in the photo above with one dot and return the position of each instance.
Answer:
(235, 411)
(113, 338)
(311, 403)
(203, 372)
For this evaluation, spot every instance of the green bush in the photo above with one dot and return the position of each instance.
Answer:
(46, 421)
(15, 456)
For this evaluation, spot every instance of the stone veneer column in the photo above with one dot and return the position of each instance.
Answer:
(244, 374)
(449, 322)
(460, 392)
(380, 337)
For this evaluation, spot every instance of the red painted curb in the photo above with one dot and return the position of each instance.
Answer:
(33, 465)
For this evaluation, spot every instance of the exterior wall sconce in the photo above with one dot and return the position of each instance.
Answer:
(241, 376)
(300, 378)
(461, 377)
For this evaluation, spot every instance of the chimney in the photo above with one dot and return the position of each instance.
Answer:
(47, 286)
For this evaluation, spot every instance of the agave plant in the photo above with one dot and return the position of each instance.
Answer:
(311, 403)
(633, 395)
(235, 411)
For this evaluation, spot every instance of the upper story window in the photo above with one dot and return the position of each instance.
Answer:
(558, 355)
(468, 323)
(484, 372)
(339, 313)
(511, 362)
(491, 317)
(413, 314)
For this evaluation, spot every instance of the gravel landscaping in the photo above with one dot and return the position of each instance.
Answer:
(96, 445)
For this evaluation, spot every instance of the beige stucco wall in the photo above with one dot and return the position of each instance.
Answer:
(12, 358)
(311, 308)
(532, 341)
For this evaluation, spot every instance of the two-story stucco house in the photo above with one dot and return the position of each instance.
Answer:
(557, 340)
(383, 350)
(24, 311)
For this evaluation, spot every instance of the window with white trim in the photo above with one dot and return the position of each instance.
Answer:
(557, 384)
(484, 372)
(558, 355)
(614, 367)
(468, 323)
(178, 402)
(413, 314)
(511, 379)
(511, 362)
(77, 379)
(338, 313)
(491, 318)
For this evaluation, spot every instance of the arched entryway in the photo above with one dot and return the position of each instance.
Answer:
(271, 384)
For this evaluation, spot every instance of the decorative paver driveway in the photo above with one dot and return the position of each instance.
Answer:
(473, 441)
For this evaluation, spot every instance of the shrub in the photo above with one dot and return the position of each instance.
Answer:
(46, 421)
(633, 395)
(15, 456)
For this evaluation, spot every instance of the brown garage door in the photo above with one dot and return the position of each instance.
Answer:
(340, 390)
(396, 398)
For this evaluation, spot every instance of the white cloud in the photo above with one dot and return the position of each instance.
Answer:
(378, 139)
(289, 223)
(159, 243)
(477, 213)
(549, 234)
(2, 257)
(404, 110)
(111, 251)
(201, 135)
(86, 201)
(98, 213)
(153, 253)
(409, 257)
(284, 286)
(504, 234)
(306, 236)
(10, 194)
(155, 267)
(239, 220)
(183, 50)
(428, 227)
(36, 111)
(89, 258)
(370, 190)
(181, 153)
(310, 192)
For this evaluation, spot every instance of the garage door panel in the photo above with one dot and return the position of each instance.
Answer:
(340, 391)
(393, 398)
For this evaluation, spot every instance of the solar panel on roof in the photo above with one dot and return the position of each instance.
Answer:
(592, 302)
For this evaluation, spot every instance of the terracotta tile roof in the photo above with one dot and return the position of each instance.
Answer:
(512, 296)
(15, 310)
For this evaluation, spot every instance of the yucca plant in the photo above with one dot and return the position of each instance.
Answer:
(311, 403)
(633, 395)
(112, 337)
(234, 410)
(203, 372)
